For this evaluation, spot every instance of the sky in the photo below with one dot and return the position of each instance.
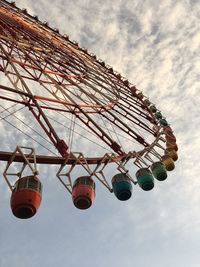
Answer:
(156, 45)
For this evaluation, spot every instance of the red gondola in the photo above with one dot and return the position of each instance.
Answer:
(83, 192)
(26, 197)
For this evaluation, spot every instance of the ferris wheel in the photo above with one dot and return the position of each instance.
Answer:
(68, 108)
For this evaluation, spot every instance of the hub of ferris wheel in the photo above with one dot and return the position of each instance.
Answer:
(50, 77)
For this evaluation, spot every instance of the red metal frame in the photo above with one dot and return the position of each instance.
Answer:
(31, 50)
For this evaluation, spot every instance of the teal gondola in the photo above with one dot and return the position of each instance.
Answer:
(145, 179)
(122, 186)
(158, 115)
(163, 122)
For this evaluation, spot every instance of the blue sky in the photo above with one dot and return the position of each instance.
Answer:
(156, 44)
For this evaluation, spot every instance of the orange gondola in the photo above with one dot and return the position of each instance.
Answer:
(170, 137)
(172, 145)
(171, 153)
(26, 197)
(83, 192)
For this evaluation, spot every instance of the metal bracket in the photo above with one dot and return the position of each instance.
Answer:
(29, 161)
(65, 176)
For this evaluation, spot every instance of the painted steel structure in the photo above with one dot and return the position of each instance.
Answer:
(46, 73)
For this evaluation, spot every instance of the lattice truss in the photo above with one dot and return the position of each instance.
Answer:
(63, 99)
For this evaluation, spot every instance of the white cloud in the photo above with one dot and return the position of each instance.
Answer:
(157, 46)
